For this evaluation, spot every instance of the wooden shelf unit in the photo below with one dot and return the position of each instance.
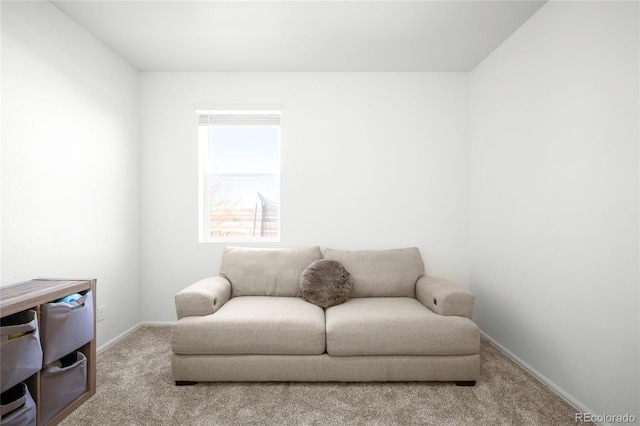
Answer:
(31, 295)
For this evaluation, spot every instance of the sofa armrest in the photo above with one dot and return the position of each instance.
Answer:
(444, 297)
(203, 297)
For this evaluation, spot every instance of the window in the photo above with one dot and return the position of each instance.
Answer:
(239, 175)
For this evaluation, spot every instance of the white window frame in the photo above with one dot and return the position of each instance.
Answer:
(204, 234)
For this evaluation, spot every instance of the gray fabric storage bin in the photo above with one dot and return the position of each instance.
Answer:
(20, 357)
(17, 407)
(66, 327)
(60, 386)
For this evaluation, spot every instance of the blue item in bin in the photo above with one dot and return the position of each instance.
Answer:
(70, 298)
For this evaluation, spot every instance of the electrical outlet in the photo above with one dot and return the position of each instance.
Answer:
(101, 313)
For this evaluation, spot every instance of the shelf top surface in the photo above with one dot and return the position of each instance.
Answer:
(18, 297)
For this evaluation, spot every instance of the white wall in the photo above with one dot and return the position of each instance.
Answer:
(368, 161)
(70, 169)
(553, 166)
(554, 199)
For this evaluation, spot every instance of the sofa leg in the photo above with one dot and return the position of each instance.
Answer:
(185, 383)
(466, 383)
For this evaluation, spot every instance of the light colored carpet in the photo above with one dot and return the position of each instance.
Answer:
(135, 388)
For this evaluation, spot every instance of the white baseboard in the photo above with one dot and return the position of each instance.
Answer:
(131, 330)
(577, 405)
(157, 323)
(116, 339)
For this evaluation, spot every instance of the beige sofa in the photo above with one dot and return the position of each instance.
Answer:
(398, 325)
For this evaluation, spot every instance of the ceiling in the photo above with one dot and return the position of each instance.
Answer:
(325, 35)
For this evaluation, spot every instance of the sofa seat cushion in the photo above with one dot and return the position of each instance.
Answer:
(253, 325)
(397, 326)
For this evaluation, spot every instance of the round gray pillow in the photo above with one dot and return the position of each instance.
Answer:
(325, 283)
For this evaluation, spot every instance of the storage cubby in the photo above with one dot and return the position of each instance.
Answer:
(18, 407)
(61, 385)
(66, 326)
(45, 386)
(20, 348)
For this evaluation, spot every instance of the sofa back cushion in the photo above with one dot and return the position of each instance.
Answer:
(266, 271)
(381, 273)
